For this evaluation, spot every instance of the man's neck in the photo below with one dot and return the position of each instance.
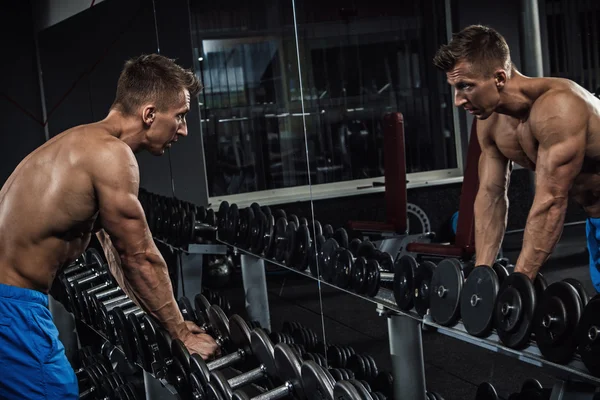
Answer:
(125, 128)
(517, 97)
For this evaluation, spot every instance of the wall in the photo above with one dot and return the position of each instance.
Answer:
(21, 122)
(81, 59)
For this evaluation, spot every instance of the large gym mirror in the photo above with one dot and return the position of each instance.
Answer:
(371, 100)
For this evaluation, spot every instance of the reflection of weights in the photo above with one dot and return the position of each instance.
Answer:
(217, 271)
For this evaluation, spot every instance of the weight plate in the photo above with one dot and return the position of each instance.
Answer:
(188, 312)
(222, 216)
(514, 310)
(341, 236)
(539, 284)
(291, 245)
(477, 301)
(405, 270)
(262, 349)
(343, 268)
(532, 385)
(199, 368)
(314, 228)
(344, 390)
(202, 306)
(327, 260)
(583, 296)
(557, 314)
(197, 387)
(303, 243)
(288, 367)
(358, 281)
(327, 231)
(422, 286)
(386, 262)
(314, 255)
(239, 332)
(316, 381)
(294, 218)
(366, 249)
(373, 278)
(588, 336)
(266, 210)
(124, 334)
(142, 348)
(257, 234)
(269, 237)
(444, 298)
(353, 246)
(242, 239)
(233, 219)
(211, 218)
(501, 271)
(280, 239)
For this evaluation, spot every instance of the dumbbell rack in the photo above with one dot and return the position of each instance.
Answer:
(404, 330)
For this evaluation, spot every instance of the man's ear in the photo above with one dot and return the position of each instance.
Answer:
(148, 114)
(500, 78)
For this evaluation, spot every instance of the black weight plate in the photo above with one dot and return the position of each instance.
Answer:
(263, 350)
(444, 298)
(341, 236)
(315, 381)
(373, 278)
(242, 239)
(327, 231)
(269, 237)
(358, 282)
(477, 301)
(256, 234)
(588, 335)
(239, 332)
(384, 383)
(294, 218)
(539, 284)
(386, 261)
(557, 314)
(233, 220)
(423, 286)
(353, 246)
(486, 391)
(142, 348)
(314, 228)
(315, 255)
(583, 296)
(211, 218)
(514, 310)
(124, 334)
(288, 367)
(255, 207)
(344, 390)
(280, 239)
(303, 221)
(199, 369)
(266, 210)
(327, 260)
(366, 249)
(405, 270)
(188, 312)
(501, 271)
(202, 215)
(202, 306)
(222, 216)
(291, 245)
(364, 393)
(197, 387)
(303, 243)
(532, 385)
(343, 267)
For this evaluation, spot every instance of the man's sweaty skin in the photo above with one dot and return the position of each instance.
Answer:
(79, 182)
(549, 125)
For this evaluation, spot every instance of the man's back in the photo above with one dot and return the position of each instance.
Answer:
(48, 208)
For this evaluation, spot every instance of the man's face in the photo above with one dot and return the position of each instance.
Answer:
(474, 92)
(169, 124)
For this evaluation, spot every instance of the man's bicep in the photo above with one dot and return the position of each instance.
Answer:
(120, 212)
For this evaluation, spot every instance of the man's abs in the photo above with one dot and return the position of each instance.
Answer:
(47, 212)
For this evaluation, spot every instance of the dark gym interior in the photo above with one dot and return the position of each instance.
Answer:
(294, 117)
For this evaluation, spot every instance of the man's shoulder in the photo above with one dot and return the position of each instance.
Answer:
(564, 102)
(101, 149)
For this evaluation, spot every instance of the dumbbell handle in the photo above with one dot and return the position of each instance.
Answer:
(247, 377)
(227, 360)
(277, 393)
(386, 277)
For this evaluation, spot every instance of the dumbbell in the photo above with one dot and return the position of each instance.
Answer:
(412, 283)
(263, 349)
(292, 244)
(557, 315)
(478, 297)
(338, 356)
(588, 336)
(83, 299)
(122, 330)
(514, 308)
(363, 366)
(92, 300)
(295, 375)
(357, 389)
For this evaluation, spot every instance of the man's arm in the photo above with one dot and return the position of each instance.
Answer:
(491, 202)
(560, 130)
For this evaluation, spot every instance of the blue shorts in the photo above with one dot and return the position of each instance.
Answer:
(592, 231)
(33, 364)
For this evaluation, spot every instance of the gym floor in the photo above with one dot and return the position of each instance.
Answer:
(453, 368)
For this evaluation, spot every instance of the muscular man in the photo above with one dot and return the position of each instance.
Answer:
(83, 180)
(549, 125)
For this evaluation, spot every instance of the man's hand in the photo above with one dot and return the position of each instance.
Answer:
(199, 342)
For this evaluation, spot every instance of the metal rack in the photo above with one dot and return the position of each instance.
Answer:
(405, 334)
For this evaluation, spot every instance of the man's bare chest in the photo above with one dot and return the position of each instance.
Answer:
(517, 142)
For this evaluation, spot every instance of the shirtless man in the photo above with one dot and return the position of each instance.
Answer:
(548, 125)
(83, 181)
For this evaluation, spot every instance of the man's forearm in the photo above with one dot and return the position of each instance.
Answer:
(145, 279)
(490, 224)
(542, 232)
